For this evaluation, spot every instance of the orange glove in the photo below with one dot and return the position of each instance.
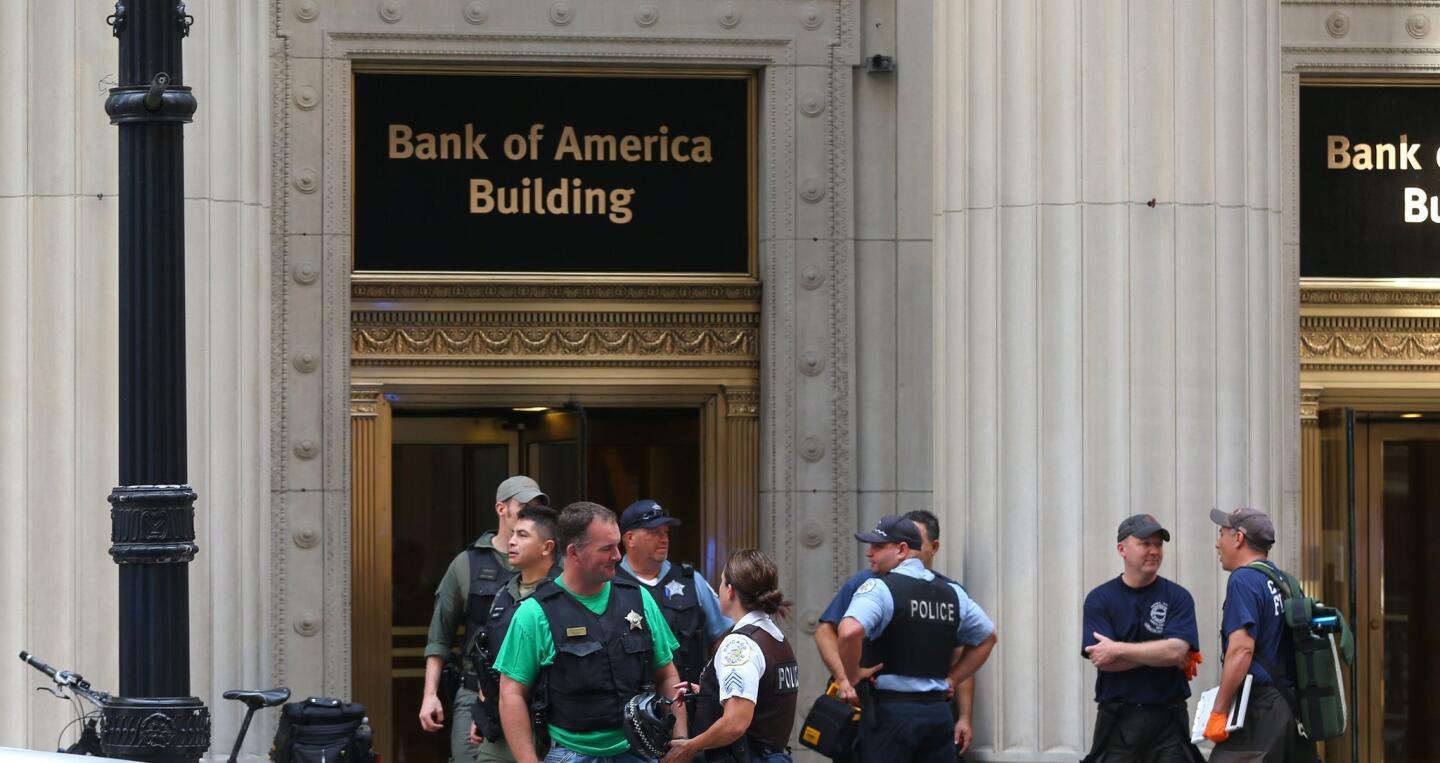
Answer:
(1215, 728)
(1193, 665)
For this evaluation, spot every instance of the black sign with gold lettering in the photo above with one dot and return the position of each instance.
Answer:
(553, 172)
(1369, 181)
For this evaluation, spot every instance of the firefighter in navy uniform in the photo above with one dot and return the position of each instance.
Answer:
(744, 706)
(691, 608)
(595, 641)
(531, 550)
(925, 636)
(465, 594)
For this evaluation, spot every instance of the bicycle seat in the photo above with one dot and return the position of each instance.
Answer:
(258, 698)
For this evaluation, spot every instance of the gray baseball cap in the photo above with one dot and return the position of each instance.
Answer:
(1141, 526)
(1254, 523)
(522, 489)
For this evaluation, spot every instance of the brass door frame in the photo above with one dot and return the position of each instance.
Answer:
(729, 456)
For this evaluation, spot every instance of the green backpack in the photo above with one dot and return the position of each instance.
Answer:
(1318, 698)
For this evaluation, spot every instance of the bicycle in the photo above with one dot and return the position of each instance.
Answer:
(80, 692)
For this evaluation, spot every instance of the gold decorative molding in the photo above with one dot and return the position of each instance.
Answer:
(1345, 342)
(562, 337)
(364, 401)
(742, 402)
(1309, 406)
(1335, 296)
(498, 292)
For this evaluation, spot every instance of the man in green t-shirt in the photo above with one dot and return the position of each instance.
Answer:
(612, 643)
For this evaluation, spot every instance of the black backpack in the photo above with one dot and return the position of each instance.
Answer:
(323, 730)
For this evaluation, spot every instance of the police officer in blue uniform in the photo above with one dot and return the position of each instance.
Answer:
(689, 604)
(1140, 635)
(919, 636)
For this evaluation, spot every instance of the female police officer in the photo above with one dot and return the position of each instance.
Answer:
(745, 703)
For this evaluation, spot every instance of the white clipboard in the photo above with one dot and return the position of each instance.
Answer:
(1206, 705)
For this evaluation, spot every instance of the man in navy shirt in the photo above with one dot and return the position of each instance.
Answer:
(1140, 634)
(1256, 641)
(827, 639)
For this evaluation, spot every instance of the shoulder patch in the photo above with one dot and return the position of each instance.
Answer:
(734, 653)
(868, 586)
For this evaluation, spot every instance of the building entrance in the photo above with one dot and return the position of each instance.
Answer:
(425, 464)
(1380, 557)
(446, 465)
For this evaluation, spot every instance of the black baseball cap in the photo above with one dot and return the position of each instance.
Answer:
(646, 514)
(892, 528)
(1141, 526)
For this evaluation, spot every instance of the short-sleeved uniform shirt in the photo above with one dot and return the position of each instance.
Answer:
(873, 607)
(1254, 603)
(1161, 610)
(529, 647)
(716, 623)
(740, 662)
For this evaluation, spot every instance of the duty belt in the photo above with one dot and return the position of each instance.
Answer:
(882, 695)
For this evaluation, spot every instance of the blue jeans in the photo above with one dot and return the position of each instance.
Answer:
(559, 754)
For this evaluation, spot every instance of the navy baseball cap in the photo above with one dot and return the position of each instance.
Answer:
(1141, 526)
(646, 514)
(892, 528)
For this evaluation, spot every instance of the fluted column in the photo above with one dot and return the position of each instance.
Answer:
(371, 597)
(58, 286)
(1112, 317)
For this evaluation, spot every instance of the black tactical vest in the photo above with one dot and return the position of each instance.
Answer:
(487, 578)
(684, 616)
(601, 661)
(774, 706)
(920, 640)
(491, 636)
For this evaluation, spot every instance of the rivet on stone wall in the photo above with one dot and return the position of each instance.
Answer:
(812, 535)
(812, 190)
(305, 361)
(304, 273)
(646, 14)
(811, 277)
(811, 364)
(308, 624)
(810, 620)
(307, 10)
(810, 16)
(728, 14)
(308, 537)
(391, 11)
(1337, 25)
(1418, 26)
(477, 12)
(561, 13)
(307, 181)
(306, 97)
(811, 449)
(306, 449)
(811, 103)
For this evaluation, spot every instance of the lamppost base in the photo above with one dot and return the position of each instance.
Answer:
(162, 730)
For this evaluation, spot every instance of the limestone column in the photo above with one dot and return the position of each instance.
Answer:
(1112, 318)
(58, 286)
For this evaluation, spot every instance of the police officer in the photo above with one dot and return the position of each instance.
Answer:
(927, 636)
(745, 702)
(1255, 641)
(827, 635)
(691, 609)
(465, 593)
(1140, 634)
(531, 550)
(595, 641)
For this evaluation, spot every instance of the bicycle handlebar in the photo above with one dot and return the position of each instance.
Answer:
(38, 664)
